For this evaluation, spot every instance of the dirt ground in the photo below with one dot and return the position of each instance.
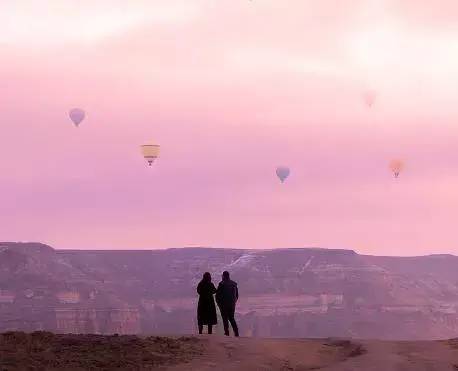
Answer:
(245, 354)
(47, 351)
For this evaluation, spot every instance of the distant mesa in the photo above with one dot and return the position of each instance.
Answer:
(26, 247)
(293, 292)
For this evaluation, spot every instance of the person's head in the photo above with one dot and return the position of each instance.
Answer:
(226, 275)
(207, 277)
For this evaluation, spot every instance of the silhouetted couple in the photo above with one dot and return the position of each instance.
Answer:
(227, 295)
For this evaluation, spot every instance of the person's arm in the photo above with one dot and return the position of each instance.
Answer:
(213, 289)
(236, 293)
(198, 288)
(218, 295)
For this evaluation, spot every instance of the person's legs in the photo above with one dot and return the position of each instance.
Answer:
(225, 322)
(201, 328)
(233, 324)
(210, 329)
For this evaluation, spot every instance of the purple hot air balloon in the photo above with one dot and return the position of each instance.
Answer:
(282, 173)
(77, 115)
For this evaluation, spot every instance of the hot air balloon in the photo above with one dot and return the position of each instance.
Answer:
(369, 98)
(282, 173)
(77, 115)
(150, 152)
(396, 167)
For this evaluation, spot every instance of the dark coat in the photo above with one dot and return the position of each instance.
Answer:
(227, 295)
(206, 309)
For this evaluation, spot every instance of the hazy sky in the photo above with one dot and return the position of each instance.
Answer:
(230, 89)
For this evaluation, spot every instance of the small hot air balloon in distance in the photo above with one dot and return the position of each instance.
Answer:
(77, 115)
(396, 167)
(369, 98)
(150, 152)
(282, 173)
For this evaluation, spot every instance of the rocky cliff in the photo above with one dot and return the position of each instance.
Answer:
(284, 293)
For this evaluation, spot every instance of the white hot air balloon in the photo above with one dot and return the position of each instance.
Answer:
(282, 173)
(77, 115)
(369, 97)
(150, 152)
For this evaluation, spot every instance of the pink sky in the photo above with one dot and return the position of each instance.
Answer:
(230, 89)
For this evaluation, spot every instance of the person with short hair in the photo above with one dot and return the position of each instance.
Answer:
(227, 295)
(206, 309)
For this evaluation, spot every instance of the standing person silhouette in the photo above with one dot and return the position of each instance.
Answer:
(206, 309)
(227, 295)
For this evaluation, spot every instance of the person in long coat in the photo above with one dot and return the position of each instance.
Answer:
(206, 309)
